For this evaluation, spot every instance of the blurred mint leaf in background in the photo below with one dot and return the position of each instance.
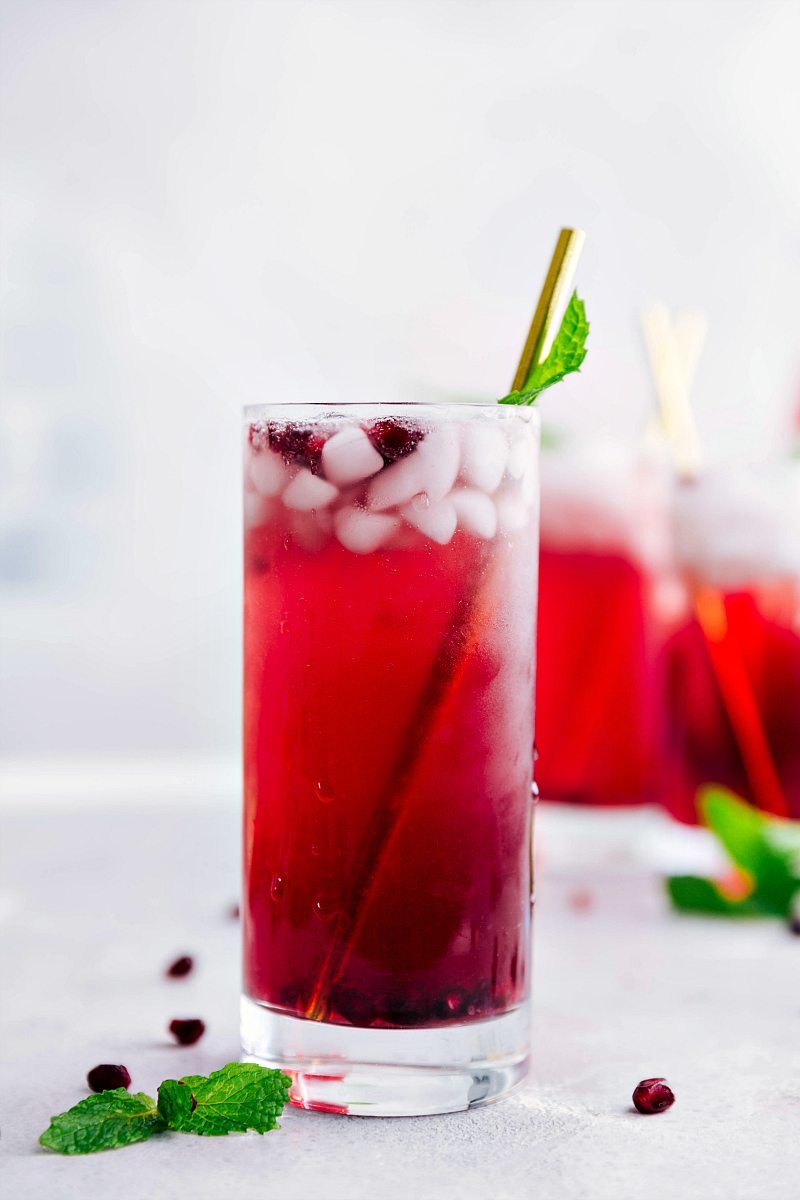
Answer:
(103, 1122)
(566, 355)
(765, 849)
(239, 1097)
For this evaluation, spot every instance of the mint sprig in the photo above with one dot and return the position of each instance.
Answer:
(241, 1096)
(104, 1122)
(566, 356)
(766, 849)
(237, 1098)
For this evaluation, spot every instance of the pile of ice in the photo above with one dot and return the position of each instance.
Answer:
(735, 527)
(463, 474)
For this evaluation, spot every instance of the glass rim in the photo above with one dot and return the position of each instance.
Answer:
(251, 411)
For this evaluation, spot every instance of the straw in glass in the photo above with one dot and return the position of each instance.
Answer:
(449, 663)
(673, 350)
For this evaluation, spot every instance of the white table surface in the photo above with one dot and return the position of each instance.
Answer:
(95, 902)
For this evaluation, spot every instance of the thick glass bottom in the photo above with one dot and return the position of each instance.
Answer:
(390, 1072)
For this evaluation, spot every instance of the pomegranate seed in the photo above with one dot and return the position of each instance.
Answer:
(298, 444)
(653, 1096)
(107, 1076)
(393, 440)
(182, 966)
(188, 1031)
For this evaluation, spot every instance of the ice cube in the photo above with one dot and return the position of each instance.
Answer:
(437, 520)
(512, 514)
(475, 511)
(258, 510)
(529, 486)
(485, 455)
(397, 484)
(268, 473)
(519, 457)
(307, 491)
(362, 532)
(431, 468)
(350, 456)
(440, 455)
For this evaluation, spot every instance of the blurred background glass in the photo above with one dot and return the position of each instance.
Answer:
(212, 204)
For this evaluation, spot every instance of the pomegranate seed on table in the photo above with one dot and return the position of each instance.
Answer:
(187, 1031)
(107, 1076)
(653, 1096)
(180, 967)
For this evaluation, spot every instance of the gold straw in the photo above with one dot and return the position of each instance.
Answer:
(673, 349)
(452, 657)
(552, 304)
(673, 353)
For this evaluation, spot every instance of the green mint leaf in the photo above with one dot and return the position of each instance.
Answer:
(766, 848)
(239, 1097)
(759, 844)
(692, 893)
(566, 355)
(103, 1122)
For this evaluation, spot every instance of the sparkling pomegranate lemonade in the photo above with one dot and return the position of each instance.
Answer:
(390, 597)
(734, 664)
(604, 611)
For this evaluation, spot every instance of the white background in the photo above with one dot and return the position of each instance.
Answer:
(207, 204)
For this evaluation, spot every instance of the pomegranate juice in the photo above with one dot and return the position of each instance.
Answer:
(604, 562)
(390, 589)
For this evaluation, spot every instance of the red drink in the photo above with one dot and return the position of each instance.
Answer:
(733, 693)
(602, 588)
(390, 581)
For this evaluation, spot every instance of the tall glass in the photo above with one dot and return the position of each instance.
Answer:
(606, 598)
(733, 694)
(390, 595)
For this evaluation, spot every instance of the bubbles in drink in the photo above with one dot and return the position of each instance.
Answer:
(326, 907)
(324, 791)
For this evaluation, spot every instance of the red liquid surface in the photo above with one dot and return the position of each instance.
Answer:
(598, 724)
(733, 698)
(388, 766)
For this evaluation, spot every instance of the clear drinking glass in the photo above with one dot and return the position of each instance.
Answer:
(607, 599)
(733, 694)
(390, 596)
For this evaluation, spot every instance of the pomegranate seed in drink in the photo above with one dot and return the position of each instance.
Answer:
(394, 439)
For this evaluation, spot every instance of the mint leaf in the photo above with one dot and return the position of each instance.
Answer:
(566, 355)
(239, 1097)
(766, 848)
(753, 841)
(103, 1122)
(692, 893)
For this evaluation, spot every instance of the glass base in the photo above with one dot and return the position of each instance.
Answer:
(390, 1072)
